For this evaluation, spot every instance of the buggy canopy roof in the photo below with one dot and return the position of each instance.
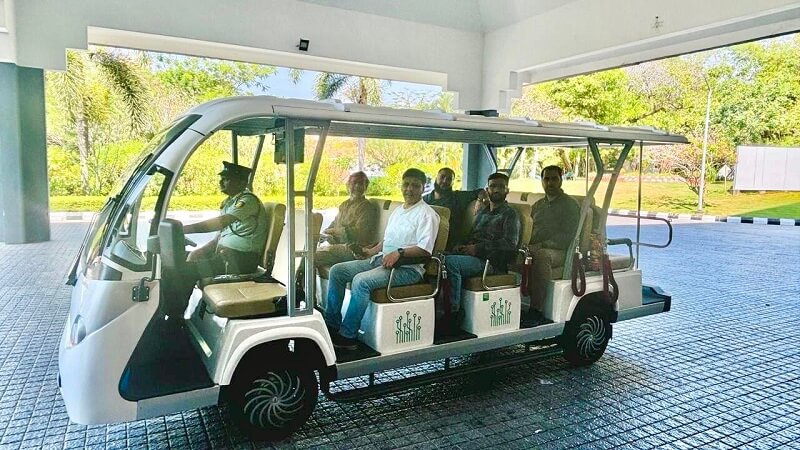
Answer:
(257, 115)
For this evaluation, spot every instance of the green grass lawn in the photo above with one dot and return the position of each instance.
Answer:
(661, 197)
(677, 198)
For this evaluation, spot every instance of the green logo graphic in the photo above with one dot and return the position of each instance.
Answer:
(408, 330)
(486, 297)
(501, 315)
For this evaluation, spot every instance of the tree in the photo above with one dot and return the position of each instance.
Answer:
(755, 99)
(364, 91)
(85, 92)
(201, 79)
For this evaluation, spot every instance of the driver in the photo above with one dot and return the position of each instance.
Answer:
(241, 227)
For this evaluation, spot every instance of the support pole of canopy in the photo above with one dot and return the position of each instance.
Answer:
(291, 281)
(587, 201)
(310, 247)
(639, 204)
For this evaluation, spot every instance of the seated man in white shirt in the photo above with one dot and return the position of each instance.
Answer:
(411, 232)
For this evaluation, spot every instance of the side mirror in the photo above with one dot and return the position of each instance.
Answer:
(154, 245)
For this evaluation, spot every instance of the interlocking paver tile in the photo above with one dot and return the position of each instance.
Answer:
(721, 370)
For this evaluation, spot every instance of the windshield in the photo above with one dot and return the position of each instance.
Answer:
(157, 144)
(91, 245)
(136, 219)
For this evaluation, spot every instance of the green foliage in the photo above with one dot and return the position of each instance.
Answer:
(361, 90)
(64, 171)
(603, 97)
(205, 79)
(99, 90)
(755, 100)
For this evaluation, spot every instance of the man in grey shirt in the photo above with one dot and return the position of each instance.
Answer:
(242, 227)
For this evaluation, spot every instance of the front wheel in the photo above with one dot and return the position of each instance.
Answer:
(270, 404)
(586, 336)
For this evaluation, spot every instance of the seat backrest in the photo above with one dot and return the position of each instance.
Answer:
(441, 236)
(384, 209)
(462, 229)
(588, 224)
(523, 197)
(525, 222)
(276, 216)
(282, 266)
(444, 228)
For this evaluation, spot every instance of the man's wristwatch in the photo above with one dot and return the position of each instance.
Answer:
(401, 251)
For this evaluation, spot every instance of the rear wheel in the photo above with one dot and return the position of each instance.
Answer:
(586, 336)
(271, 403)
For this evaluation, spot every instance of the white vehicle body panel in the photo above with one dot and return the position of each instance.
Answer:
(229, 343)
(561, 302)
(91, 370)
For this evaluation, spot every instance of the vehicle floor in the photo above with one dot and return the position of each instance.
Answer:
(165, 362)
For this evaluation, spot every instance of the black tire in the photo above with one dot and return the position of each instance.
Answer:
(271, 403)
(586, 336)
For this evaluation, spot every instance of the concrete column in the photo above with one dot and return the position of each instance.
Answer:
(477, 165)
(24, 203)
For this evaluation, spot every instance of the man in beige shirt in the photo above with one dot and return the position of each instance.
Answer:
(353, 227)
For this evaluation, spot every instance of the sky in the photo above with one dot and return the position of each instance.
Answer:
(280, 85)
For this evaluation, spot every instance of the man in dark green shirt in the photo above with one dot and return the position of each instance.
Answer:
(456, 201)
(555, 220)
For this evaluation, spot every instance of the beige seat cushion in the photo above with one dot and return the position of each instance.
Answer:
(474, 283)
(402, 292)
(242, 299)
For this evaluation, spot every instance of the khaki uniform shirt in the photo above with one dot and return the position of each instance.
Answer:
(249, 233)
(359, 221)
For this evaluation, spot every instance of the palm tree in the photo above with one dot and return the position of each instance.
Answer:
(364, 91)
(81, 91)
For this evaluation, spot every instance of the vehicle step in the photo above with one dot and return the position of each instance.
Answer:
(390, 387)
(362, 352)
(448, 338)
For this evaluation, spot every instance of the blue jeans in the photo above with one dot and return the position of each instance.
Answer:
(364, 276)
(458, 268)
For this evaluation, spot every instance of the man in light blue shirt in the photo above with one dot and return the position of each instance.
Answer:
(411, 232)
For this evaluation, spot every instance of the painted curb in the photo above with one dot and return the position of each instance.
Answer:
(709, 219)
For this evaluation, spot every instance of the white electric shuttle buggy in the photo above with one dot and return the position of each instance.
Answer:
(134, 348)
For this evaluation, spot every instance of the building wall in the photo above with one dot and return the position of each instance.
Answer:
(266, 31)
(486, 70)
(590, 35)
(767, 168)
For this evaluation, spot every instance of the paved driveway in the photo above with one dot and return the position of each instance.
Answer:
(721, 370)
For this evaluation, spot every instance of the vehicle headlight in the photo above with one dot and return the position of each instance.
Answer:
(78, 331)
